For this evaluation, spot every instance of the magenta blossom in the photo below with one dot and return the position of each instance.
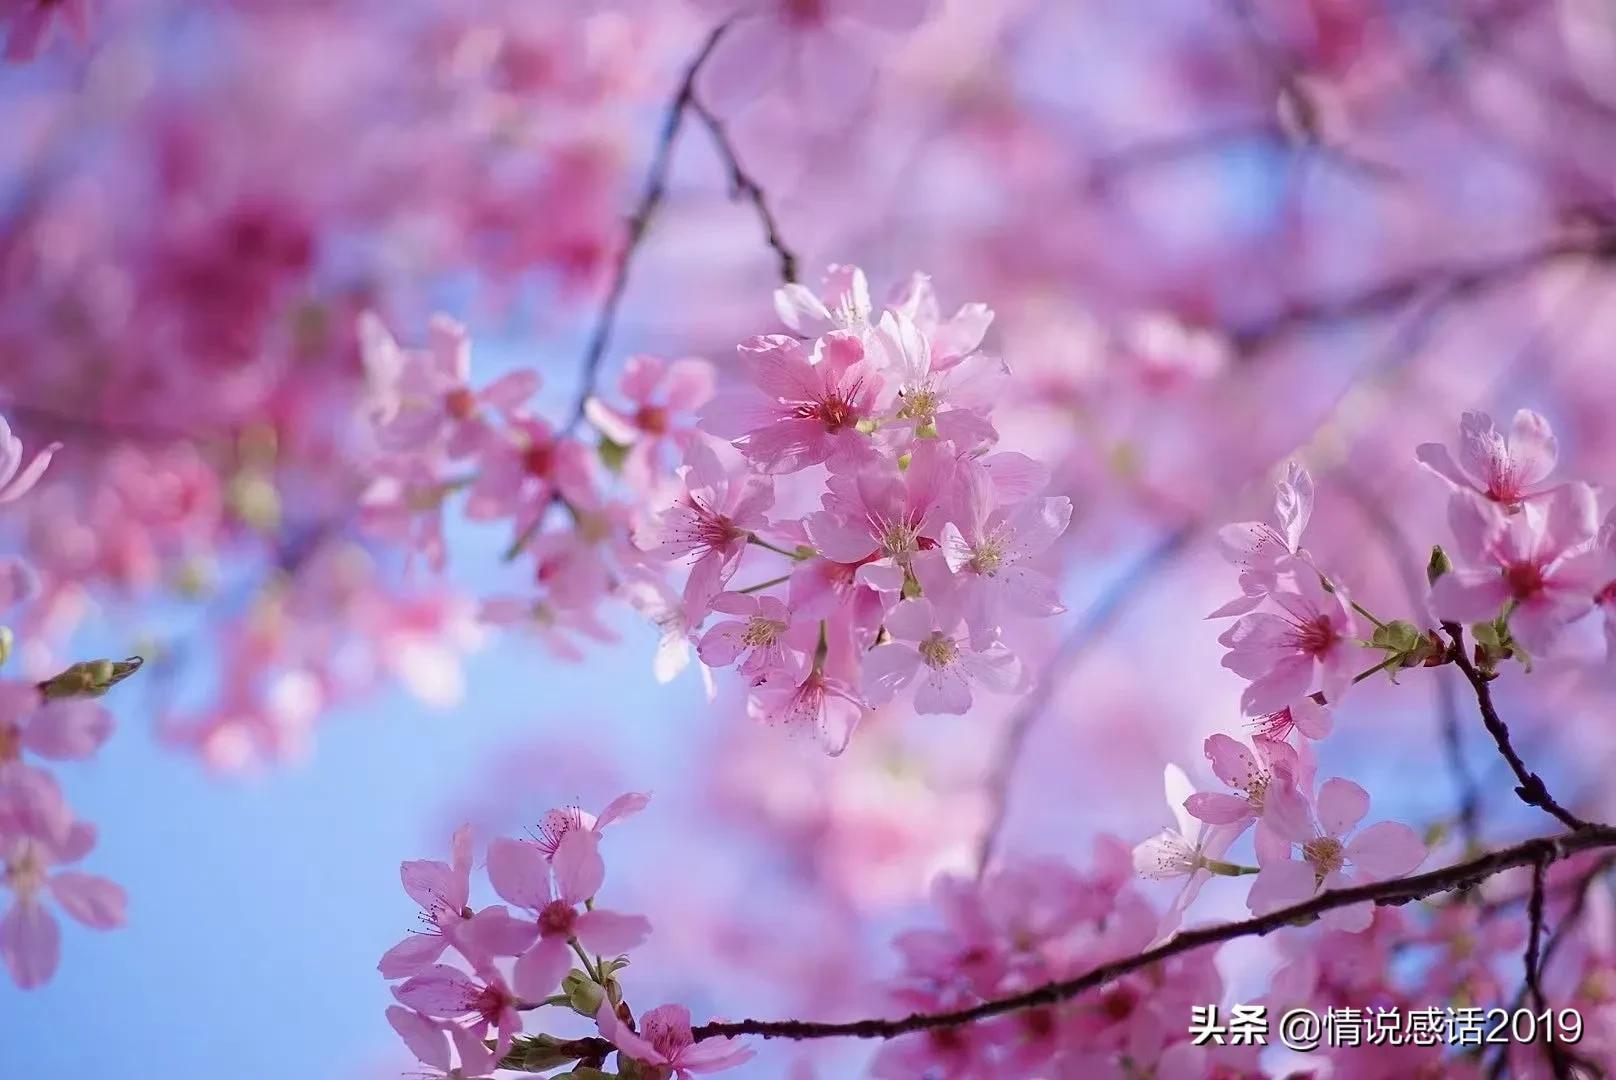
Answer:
(660, 394)
(17, 479)
(479, 1002)
(1527, 560)
(520, 874)
(806, 409)
(723, 503)
(754, 640)
(1306, 647)
(523, 469)
(1503, 470)
(927, 644)
(1385, 850)
(442, 890)
(666, 1043)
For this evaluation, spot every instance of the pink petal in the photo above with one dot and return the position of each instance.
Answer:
(1467, 596)
(426, 1040)
(1279, 885)
(30, 944)
(1386, 849)
(1342, 804)
(690, 384)
(1532, 447)
(540, 970)
(412, 954)
(68, 729)
(93, 901)
(1437, 458)
(608, 933)
(621, 807)
(1218, 808)
(518, 872)
(440, 991)
(428, 882)
(494, 931)
(579, 869)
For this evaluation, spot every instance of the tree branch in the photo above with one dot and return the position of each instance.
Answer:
(743, 185)
(1534, 967)
(656, 190)
(1531, 789)
(1461, 875)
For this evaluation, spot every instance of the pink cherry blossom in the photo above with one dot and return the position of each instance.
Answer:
(1258, 548)
(1383, 850)
(430, 1040)
(1182, 852)
(523, 469)
(556, 825)
(988, 547)
(713, 520)
(951, 339)
(1306, 647)
(806, 408)
(665, 1042)
(17, 479)
(1505, 470)
(928, 645)
(480, 1002)
(754, 641)
(661, 394)
(880, 516)
(813, 698)
(842, 304)
(951, 402)
(1251, 772)
(30, 940)
(443, 891)
(521, 874)
(1527, 560)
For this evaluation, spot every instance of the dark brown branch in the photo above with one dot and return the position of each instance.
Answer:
(743, 185)
(651, 199)
(1531, 789)
(1534, 967)
(1096, 622)
(1396, 891)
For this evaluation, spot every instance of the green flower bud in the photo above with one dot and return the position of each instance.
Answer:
(1439, 564)
(89, 678)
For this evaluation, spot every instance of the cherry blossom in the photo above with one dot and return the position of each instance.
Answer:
(713, 520)
(1526, 560)
(927, 645)
(988, 548)
(443, 891)
(1306, 647)
(1184, 851)
(30, 940)
(556, 825)
(521, 874)
(17, 479)
(660, 394)
(664, 1041)
(1258, 549)
(1503, 469)
(481, 1003)
(1331, 845)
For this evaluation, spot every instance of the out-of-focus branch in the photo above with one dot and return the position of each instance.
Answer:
(1460, 875)
(651, 199)
(1531, 788)
(1534, 967)
(1440, 284)
(743, 185)
(1092, 628)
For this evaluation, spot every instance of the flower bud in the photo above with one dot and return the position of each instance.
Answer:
(89, 678)
(1438, 565)
(581, 992)
(7, 640)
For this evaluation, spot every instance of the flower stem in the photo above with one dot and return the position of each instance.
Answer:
(760, 586)
(1228, 869)
(795, 556)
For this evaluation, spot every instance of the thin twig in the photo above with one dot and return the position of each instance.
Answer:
(1396, 891)
(743, 185)
(1534, 967)
(1096, 622)
(656, 190)
(1531, 789)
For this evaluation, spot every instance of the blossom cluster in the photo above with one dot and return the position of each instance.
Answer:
(56, 720)
(466, 979)
(862, 454)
